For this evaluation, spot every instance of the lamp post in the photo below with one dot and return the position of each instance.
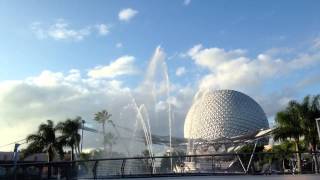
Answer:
(318, 126)
(15, 159)
(83, 121)
(315, 157)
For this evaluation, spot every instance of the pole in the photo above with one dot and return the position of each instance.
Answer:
(318, 126)
(83, 121)
(15, 159)
(315, 155)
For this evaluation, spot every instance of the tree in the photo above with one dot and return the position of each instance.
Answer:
(44, 141)
(109, 139)
(103, 117)
(289, 127)
(70, 136)
(309, 111)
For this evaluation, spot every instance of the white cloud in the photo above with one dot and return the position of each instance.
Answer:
(180, 71)
(121, 66)
(186, 2)
(275, 101)
(119, 45)
(316, 43)
(37, 29)
(234, 69)
(311, 80)
(213, 57)
(56, 96)
(62, 30)
(103, 29)
(127, 14)
(47, 78)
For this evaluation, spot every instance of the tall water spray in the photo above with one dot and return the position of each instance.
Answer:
(157, 83)
(143, 118)
(157, 80)
(141, 109)
(166, 74)
(155, 89)
(146, 126)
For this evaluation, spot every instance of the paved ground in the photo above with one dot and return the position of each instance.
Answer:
(248, 177)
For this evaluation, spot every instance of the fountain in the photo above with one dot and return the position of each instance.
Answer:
(156, 80)
(156, 85)
(154, 89)
(165, 67)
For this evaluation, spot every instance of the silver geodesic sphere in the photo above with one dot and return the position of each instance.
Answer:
(223, 113)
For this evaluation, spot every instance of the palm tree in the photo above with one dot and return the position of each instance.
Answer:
(310, 110)
(44, 141)
(283, 151)
(109, 139)
(70, 136)
(103, 117)
(289, 127)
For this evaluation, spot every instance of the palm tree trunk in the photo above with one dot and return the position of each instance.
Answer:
(315, 159)
(49, 154)
(296, 142)
(110, 149)
(76, 150)
(79, 151)
(72, 153)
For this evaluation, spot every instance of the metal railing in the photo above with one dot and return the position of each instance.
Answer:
(210, 164)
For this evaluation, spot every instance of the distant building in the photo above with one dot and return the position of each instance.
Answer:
(8, 157)
(37, 157)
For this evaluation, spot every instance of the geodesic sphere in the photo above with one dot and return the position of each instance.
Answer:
(223, 113)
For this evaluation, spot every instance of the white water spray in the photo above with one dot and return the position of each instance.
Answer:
(143, 121)
(166, 75)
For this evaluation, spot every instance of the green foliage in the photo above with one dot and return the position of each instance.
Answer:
(289, 123)
(44, 140)
(70, 136)
(310, 110)
(85, 156)
(103, 117)
(109, 138)
(297, 122)
(249, 148)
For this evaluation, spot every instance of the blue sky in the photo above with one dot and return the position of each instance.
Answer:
(255, 26)
(53, 50)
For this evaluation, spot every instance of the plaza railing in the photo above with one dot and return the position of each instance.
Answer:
(186, 165)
